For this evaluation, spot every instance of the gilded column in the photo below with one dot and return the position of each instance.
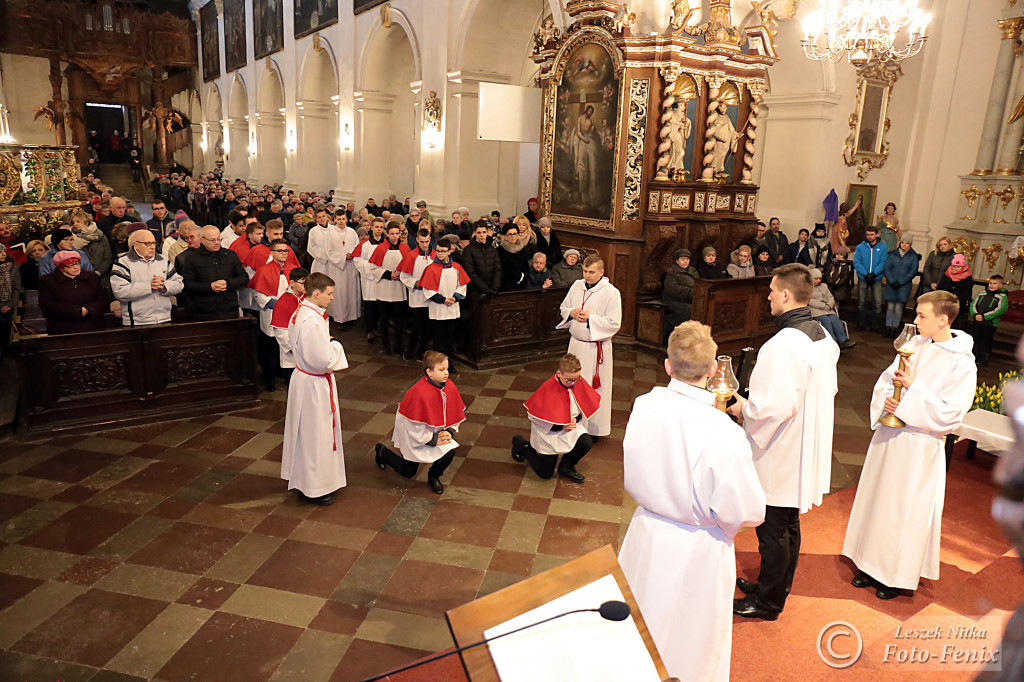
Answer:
(756, 92)
(715, 83)
(58, 105)
(997, 98)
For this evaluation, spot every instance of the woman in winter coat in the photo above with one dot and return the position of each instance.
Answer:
(677, 293)
(515, 254)
(763, 262)
(900, 271)
(548, 242)
(708, 267)
(72, 299)
(935, 266)
(959, 281)
(90, 239)
(741, 265)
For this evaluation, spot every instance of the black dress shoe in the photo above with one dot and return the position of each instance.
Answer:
(862, 579)
(745, 586)
(378, 460)
(518, 443)
(322, 501)
(885, 592)
(571, 474)
(435, 484)
(750, 607)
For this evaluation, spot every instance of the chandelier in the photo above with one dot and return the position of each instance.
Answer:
(866, 30)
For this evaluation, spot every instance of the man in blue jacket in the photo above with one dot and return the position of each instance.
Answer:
(869, 262)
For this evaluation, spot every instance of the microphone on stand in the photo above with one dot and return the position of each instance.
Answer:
(610, 610)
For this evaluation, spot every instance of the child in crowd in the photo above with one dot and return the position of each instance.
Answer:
(444, 285)
(987, 309)
(286, 306)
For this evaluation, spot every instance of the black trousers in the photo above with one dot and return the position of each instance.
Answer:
(442, 336)
(391, 312)
(408, 469)
(269, 354)
(417, 319)
(778, 541)
(983, 334)
(544, 465)
(371, 315)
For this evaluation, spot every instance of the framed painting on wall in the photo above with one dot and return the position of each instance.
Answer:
(209, 29)
(858, 222)
(581, 134)
(267, 27)
(234, 35)
(313, 15)
(360, 6)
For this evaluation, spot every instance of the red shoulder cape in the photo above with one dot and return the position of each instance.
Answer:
(382, 250)
(267, 279)
(284, 309)
(550, 402)
(409, 260)
(431, 278)
(423, 404)
(242, 247)
(259, 255)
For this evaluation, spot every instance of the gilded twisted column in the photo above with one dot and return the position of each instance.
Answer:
(756, 91)
(1010, 29)
(669, 74)
(715, 83)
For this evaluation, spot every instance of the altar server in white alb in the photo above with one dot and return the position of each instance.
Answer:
(331, 246)
(558, 412)
(592, 312)
(896, 520)
(410, 271)
(312, 461)
(444, 284)
(382, 268)
(425, 424)
(368, 284)
(788, 420)
(689, 468)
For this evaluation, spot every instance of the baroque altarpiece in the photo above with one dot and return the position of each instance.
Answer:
(648, 141)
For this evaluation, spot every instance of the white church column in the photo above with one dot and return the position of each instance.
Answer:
(474, 167)
(373, 144)
(1009, 145)
(997, 99)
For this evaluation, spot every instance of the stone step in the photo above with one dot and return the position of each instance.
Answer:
(119, 176)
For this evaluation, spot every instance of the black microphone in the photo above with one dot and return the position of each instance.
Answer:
(610, 610)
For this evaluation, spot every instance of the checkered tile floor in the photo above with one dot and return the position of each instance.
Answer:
(173, 551)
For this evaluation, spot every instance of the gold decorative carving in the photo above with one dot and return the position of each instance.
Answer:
(988, 194)
(10, 179)
(971, 194)
(966, 217)
(385, 16)
(968, 248)
(1006, 196)
(992, 254)
(1014, 262)
(680, 16)
(872, 75)
(1010, 28)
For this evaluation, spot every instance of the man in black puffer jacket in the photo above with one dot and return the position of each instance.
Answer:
(213, 276)
(481, 262)
(677, 292)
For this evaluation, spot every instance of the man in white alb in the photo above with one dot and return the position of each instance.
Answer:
(592, 312)
(689, 468)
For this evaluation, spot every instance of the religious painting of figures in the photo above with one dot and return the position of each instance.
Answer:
(313, 15)
(874, 97)
(360, 6)
(585, 129)
(727, 134)
(858, 222)
(234, 34)
(210, 32)
(268, 27)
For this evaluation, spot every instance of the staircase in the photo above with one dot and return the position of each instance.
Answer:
(119, 176)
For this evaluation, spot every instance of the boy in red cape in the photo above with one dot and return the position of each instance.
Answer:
(283, 311)
(425, 424)
(382, 267)
(259, 254)
(556, 411)
(444, 285)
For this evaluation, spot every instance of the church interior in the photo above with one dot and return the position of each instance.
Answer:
(146, 529)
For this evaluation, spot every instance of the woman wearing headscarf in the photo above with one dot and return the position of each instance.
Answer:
(935, 265)
(10, 290)
(708, 268)
(959, 281)
(62, 239)
(900, 271)
(763, 262)
(72, 299)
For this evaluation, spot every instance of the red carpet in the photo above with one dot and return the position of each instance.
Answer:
(980, 575)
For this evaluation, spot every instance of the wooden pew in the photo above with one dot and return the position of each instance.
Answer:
(513, 327)
(131, 375)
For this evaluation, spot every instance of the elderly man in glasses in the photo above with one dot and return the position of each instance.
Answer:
(144, 281)
(213, 276)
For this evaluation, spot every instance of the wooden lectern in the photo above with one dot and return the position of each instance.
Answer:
(469, 621)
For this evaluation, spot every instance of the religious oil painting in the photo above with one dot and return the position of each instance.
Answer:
(234, 34)
(874, 97)
(313, 15)
(268, 27)
(585, 128)
(861, 218)
(210, 31)
(360, 6)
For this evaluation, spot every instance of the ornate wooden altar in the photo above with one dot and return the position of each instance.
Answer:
(38, 188)
(647, 141)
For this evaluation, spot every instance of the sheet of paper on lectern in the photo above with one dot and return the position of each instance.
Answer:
(508, 113)
(583, 646)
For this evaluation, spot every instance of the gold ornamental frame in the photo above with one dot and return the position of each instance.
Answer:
(585, 34)
(866, 147)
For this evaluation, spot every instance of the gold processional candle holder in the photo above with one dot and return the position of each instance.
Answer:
(902, 345)
(724, 383)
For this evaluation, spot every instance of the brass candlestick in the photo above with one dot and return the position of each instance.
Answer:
(902, 344)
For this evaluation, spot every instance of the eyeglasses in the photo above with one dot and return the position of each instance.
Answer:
(210, 240)
(150, 243)
(279, 250)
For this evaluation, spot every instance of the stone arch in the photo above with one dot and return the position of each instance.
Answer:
(474, 12)
(317, 130)
(237, 149)
(388, 108)
(270, 126)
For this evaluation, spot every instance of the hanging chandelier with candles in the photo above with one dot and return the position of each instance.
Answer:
(865, 30)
